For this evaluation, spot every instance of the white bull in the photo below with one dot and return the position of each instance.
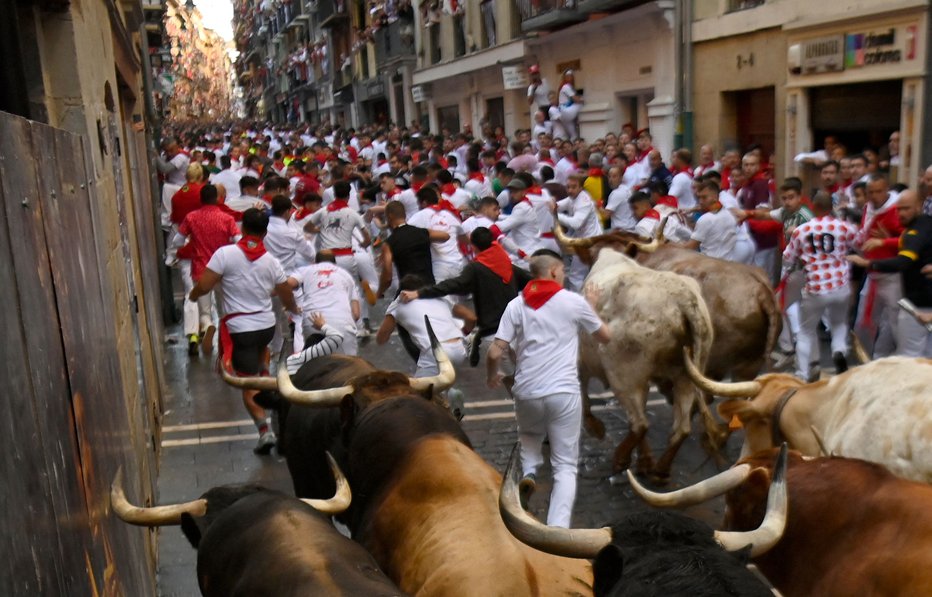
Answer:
(652, 316)
(880, 412)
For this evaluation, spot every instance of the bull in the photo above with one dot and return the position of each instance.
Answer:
(255, 541)
(651, 316)
(746, 322)
(877, 412)
(853, 527)
(656, 553)
(315, 406)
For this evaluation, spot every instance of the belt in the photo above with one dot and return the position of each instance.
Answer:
(547, 235)
(342, 251)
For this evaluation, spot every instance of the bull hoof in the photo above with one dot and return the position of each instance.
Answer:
(659, 478)
(620, 464)
(594, 426)
(645, 467)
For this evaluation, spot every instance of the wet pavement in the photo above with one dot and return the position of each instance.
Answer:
(207, 440)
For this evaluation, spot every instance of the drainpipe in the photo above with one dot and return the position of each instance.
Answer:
(686, 22)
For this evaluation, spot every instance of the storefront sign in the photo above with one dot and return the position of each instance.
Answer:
(823, 55)
(515, 77)
(886, 46)
(376, 89)
(419, 93)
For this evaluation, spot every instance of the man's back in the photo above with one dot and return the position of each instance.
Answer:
(410, 246)
(209, 228)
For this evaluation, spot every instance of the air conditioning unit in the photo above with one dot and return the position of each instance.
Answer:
(794, 59)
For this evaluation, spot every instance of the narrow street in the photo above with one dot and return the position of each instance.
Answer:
(207, 440)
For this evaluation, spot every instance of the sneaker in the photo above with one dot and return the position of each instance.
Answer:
(192, 345)
(207, 342)
(526, 488)
(472, 347)
(266, 442)
(781, 359)
(841, 363)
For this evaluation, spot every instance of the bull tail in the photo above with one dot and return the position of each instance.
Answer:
(699, 323)
(774, 325)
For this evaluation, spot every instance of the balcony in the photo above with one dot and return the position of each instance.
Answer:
(331, 13)
(548, 14)
(736, 5)
(394, 42)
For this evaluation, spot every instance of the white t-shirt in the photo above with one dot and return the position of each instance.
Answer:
(328, 289)
(408, 198)
(717, 233)
(247, 287)
(479, 187)
(522, 227)
(476, 221)
(286, 242)
(178, 176)
(336, 227)
(540, 94)
(448, 251)
(579, 216)
(546, 341)
(411, 317)
(682, 188)
(229, 178)
(674, 230)
(622, 216)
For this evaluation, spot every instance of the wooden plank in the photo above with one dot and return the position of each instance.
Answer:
(31, 375)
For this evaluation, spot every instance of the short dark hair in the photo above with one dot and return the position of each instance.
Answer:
(428, 194)
(395, 210)
(255, 222)
(444, 176)
(822, 202)
(487, 201)
(659, 187)
(341, 189)
(280, 205)
(792, 184)
(482, 238)
(275, 183)
(248, 182)
(709, 185)
(325, 257)
(829, 163)
(209, 194)
(638, 197)
(546, 173)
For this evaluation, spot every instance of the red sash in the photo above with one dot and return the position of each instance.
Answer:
(225, 356)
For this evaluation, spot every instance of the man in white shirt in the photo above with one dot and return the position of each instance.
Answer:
(522, 226)
(648, 220)
(329, 290)
(538, 92)
(478, 183)
(577, 214)
(334, 225)
(408, 197)
(617, 209)
(681, 186)
(542, 327)
(717, 229)
(446, 259)
(567, 164)
(248, 276)
(229, 178)
(174, 167)
(248, 195)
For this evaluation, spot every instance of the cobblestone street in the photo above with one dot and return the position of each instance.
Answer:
(208, 438)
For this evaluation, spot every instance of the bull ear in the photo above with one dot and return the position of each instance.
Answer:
(631, 250)
(191, 529)
(268, 399)
(735, 408)
(607, 568)
(429, 393)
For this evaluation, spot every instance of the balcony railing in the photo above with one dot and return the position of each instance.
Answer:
(330, 12)
(548, 14)
(394, 41)
(736, 5)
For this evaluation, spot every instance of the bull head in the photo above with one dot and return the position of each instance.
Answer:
(761, 539)
(329, 397)
(587, 543)
(171, 514)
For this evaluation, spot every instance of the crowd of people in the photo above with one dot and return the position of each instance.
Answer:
(285, 238)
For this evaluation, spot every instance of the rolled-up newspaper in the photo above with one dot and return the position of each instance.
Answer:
(908, 306)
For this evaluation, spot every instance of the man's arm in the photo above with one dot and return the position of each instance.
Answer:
(205, 284)
(385, 278)
(461, 284)
(493, 376)
(283, 290)
(354, 309)
(602, 335)
(463, 312)
(579, 216)
(385, 330)
(437, 236)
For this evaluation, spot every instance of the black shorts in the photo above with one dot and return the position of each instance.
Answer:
(249, 350)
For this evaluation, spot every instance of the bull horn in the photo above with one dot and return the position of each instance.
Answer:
(650, 247)
(566, 241)
(447, 375)
(661, 238)
(342, 496)
(741, 389)
(569, 543)
(699, 493)
(263, 382)
(858, 348)
(318, 398)
(764, 537)
(150, 517)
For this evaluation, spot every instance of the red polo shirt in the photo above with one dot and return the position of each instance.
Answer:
(208, 229)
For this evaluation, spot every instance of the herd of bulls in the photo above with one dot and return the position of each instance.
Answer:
(846, 511)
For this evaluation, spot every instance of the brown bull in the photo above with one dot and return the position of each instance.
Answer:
(745, 319)
(852, 527)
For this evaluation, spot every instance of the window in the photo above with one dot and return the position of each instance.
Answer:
(448, 117)
(736, 5)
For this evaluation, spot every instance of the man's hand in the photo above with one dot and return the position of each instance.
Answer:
(880, 232)
(871, 244)
(858, 260)
(925, 318)
(553, 207)
(317, 320)
(739, 214)
(927, 270)
(495, 380)
(592, 293)
(408, 295)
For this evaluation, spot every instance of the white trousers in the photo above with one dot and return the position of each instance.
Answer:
(834, 305)
(168, 191)
(558, 417)
(744, 251)
(197, 315)
(912, 338)
(427, 365)
(879, 339)
(569, 117)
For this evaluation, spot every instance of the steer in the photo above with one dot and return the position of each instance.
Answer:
(745, 319)
(853, 528)
(426, 507)
(255, 541)
(656, 553)
(651, 316)
(316, 404)
(878, 412)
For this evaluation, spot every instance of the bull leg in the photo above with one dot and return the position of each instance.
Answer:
(685, 395)
(645, 457)
(634, 400)
(591, 423)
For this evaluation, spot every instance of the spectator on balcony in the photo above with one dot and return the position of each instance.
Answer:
(488, 19)
(570, 105)
(538, 92)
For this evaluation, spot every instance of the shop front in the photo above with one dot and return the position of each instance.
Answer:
(860, 81)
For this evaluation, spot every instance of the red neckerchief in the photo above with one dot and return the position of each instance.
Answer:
(669, 201)
(547, 161)
(444, 163)
(279, 165)
(251, 246)
(726, 178)
(535, 190)
(652, 214)
(338, 204)
(496, 259)
(448, 189)
(644, 154)
(266, 198)
(417, 186)
(538, 292)
(674, 171)
(833, 189)
(477, 176)
(596, 172)
(302, 213)
(716, 207)
(392, 193)
(444, 205)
